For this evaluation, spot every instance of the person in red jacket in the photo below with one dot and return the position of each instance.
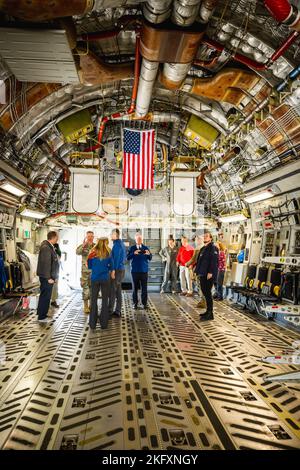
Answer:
(185, 253)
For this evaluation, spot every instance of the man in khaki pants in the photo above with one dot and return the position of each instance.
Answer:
(85, 281)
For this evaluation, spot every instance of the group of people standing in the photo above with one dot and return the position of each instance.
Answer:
(205, 264)
(103, 270)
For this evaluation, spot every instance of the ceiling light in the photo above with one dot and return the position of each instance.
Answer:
(13, 189)
(232, 218)
(33, 214)
(260, 196)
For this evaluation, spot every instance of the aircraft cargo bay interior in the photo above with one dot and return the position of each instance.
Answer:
(149, 226)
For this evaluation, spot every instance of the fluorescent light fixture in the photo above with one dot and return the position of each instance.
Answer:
(33, 214)
(11, 188)
(260, 196)
(232, 218)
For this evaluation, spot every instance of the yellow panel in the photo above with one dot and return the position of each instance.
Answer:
(200, 132)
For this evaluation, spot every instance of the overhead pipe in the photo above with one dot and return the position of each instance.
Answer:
(250, 62)
(169, 117)
(157, 11)
(206, 10)
(283, 12)
(146, 84)
(185, 12)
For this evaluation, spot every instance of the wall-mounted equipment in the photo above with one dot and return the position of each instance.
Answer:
(200, 132)
(85, 190)
(75, 126)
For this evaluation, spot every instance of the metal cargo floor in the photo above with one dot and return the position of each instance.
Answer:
(156, 380)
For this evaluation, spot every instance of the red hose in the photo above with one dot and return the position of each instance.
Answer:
(279, 9)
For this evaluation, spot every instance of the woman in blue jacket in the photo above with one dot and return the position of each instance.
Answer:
(101, 263)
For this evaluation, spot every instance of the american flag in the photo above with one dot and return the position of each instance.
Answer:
(138, 159)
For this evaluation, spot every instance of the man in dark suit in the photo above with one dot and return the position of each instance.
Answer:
(139, 255)
(207, 270)
(47, 270)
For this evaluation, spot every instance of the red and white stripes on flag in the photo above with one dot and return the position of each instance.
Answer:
(138, 156)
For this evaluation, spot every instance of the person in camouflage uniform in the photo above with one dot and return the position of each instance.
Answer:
(85, 280)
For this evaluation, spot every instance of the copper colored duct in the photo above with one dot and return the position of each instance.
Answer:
(227, 85)
(172, 44)
(36, 93)
(42, 10)
(95, 72)
(133, 98)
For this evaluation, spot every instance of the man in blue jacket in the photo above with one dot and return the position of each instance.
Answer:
(140, 256)
(118, 254)
(207, 270)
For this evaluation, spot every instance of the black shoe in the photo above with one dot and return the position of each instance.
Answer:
(135, 307)
(55, 304)
(145, 307)
(207, 316)
(116, 314)
(204, 313)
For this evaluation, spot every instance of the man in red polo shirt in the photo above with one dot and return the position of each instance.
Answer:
(185, 253)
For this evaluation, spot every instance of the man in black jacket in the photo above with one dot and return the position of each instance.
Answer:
(207, 270)
(47, 270)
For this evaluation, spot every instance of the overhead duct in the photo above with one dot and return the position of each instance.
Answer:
(157, 11)
(206, 10)
(146, 84)
(169, 117)
(155, 48)
(185, 12)
(230, 85)
(95, 72)
(39, 10)
(156, 41)
(174, 72)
